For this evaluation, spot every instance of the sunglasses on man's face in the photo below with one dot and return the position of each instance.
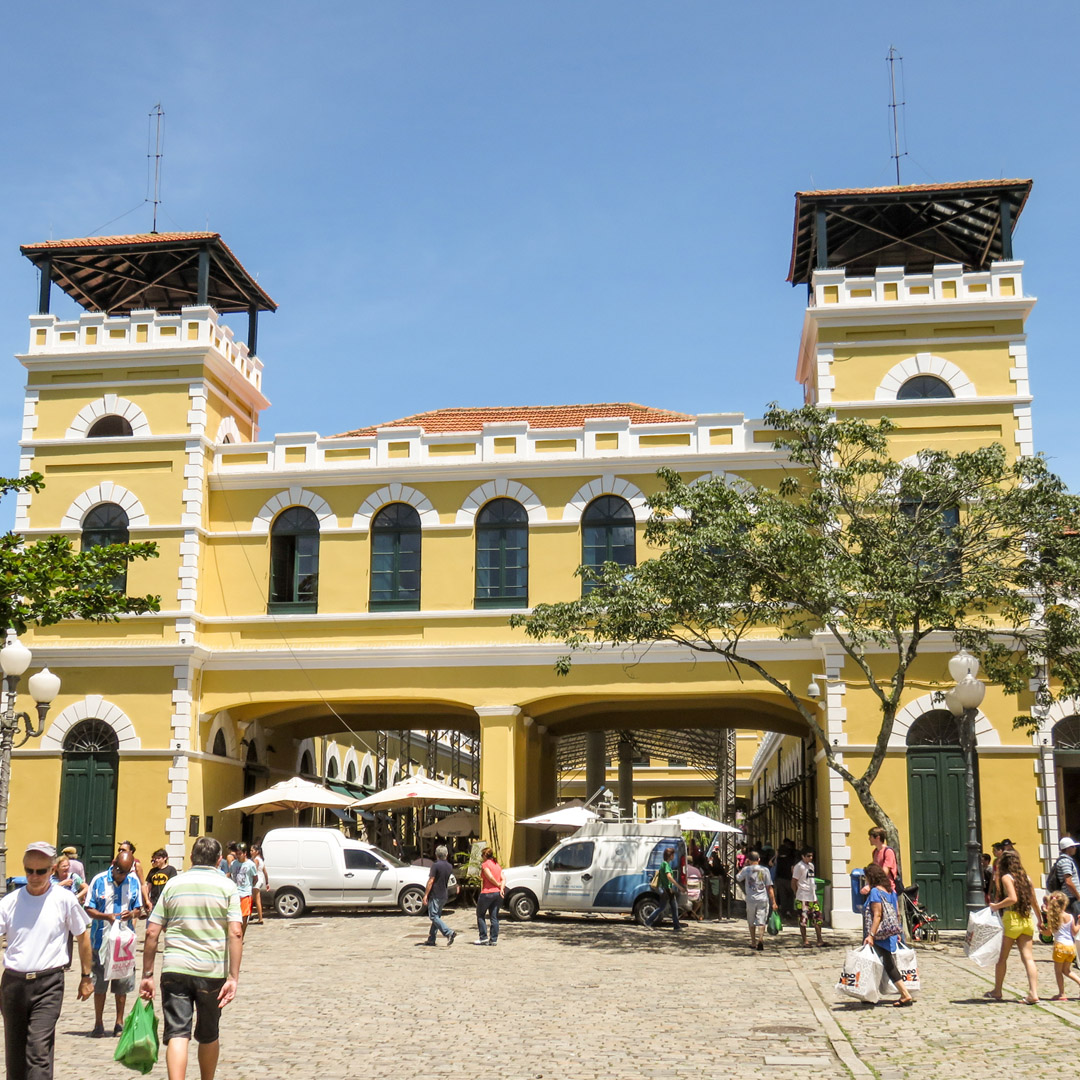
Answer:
(31, 872)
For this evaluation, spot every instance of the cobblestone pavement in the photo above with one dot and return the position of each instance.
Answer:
(566, 998)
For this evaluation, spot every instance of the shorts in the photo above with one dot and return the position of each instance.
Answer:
(182, 995)
(117, 986)
(245, 906)
(1064, 954)
(757, 912)
(809, 913)
(1017, 925)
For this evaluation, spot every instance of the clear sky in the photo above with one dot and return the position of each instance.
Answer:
(528, 203)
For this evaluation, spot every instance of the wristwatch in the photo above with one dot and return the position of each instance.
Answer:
(88, 975)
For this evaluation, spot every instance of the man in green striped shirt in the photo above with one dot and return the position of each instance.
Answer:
(199, 910)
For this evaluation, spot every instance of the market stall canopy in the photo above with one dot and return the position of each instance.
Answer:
(692, 821)
(296, 794)
(565, 817)
(417, 791)
(461, 823)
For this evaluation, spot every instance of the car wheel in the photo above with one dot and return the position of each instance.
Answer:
(289, 903)
(522, 906)
(411, 900)
(645, 908)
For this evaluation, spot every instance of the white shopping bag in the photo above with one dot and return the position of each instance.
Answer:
(861, 975)
(907, 962)
(117, 952)
(985, 931)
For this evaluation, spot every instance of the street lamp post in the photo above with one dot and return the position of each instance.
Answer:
(17, 728)
(963, 701)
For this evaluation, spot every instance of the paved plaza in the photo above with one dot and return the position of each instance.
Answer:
(567, 998)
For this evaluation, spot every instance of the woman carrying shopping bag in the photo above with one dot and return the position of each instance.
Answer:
(881, 928)
(1019, 914)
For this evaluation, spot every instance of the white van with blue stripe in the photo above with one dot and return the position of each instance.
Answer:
(606, 866)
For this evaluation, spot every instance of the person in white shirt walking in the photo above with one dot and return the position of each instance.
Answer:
(36, 921)
(806, 901)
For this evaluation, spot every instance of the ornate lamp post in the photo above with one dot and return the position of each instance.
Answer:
(963, 701)
(15, 658)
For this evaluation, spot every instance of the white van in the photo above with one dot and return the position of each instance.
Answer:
(604, 866)
(324, 868)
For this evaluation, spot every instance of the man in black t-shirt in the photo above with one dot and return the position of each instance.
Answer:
(435, 897)
(159, 876)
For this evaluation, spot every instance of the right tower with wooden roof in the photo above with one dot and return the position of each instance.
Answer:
(916, 308)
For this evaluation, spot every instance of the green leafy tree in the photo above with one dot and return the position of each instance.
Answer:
(875, 554)
(48, 580)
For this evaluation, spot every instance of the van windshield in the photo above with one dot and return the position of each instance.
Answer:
(547, 854)
(393, 860)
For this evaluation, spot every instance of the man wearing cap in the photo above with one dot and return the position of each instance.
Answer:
(71, 853)
(36, 921)
(114, 894)
(1065, 871)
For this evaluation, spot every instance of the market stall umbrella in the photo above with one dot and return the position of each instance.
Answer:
(565, 817)
(692, 821)
(296, 794)
(462, 823)
(416, 791)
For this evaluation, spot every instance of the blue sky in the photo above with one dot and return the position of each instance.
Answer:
(511, 203)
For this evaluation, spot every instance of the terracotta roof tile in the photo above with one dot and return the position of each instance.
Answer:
(119, 241)
(466, 419)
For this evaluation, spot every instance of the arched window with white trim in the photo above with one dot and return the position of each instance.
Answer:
(607, 535)
(104, 525)
(294, 561)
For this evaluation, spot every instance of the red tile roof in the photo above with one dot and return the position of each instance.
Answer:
(465, 419)
(916, 188)
(120, 241)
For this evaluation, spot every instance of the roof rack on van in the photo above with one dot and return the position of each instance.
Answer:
(628, 828)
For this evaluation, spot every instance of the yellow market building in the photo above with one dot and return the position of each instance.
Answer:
(319, 592)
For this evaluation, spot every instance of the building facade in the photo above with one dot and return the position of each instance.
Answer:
(318, 590)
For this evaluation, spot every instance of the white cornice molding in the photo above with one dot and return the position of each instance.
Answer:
(933, 404)
(889, 313)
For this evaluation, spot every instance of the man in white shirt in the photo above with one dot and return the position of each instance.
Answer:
(806, 901)
(36, 921)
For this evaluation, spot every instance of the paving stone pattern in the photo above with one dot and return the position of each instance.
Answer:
(567, 998)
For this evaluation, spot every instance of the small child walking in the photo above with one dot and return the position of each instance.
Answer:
(1063, 926)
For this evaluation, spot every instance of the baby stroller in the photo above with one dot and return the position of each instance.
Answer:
(923, 923)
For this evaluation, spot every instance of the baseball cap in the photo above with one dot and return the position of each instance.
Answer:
(41, 848)
(1066, 842)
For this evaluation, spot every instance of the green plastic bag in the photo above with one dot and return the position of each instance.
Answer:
(138, 1045)
(775, 923)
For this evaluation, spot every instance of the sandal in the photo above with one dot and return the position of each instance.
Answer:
(1059, 997)
(1031, 1001)
(902, 1004)
(992, 996)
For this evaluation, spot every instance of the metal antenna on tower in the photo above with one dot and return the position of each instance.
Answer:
(159, 116)
(894, 105)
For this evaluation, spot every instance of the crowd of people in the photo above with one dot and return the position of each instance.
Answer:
(204, 912)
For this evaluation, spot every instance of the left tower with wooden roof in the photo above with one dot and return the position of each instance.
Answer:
(124, 403)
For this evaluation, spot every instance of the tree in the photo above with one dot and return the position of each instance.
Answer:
(46, 581)
(874, 553)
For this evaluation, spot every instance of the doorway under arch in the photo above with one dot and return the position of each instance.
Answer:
(1065, 736)
(937, 815)
(91, 766)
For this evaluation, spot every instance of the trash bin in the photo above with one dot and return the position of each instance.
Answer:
(858, 879)
(821, 883)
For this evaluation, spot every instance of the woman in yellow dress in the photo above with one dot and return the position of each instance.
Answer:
(1020, 915)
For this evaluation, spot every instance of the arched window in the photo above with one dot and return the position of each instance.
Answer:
(350, 773)
(607, 534)
(109, 427)
(935, 728)
(294, 561)
(307, 764)
(502, 555)
(1066, 734)
(395, 559)
(331, 768)
(924, 386)
(91, 737)
(220, 748)
(369, 777)
(104, 525)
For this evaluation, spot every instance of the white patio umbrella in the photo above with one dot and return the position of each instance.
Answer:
(461, 823)
(417, 791)
(564, 817)
(296, 794)
(692, 821)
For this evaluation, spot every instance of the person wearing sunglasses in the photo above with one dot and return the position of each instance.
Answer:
(36, 920)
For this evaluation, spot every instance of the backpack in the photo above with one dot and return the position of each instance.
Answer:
(1053, 882)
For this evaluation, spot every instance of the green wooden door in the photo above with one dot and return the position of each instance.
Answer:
(938, 830)
(88, 802)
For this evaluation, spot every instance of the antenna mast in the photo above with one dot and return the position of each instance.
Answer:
(157, 114)
(894, 105)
